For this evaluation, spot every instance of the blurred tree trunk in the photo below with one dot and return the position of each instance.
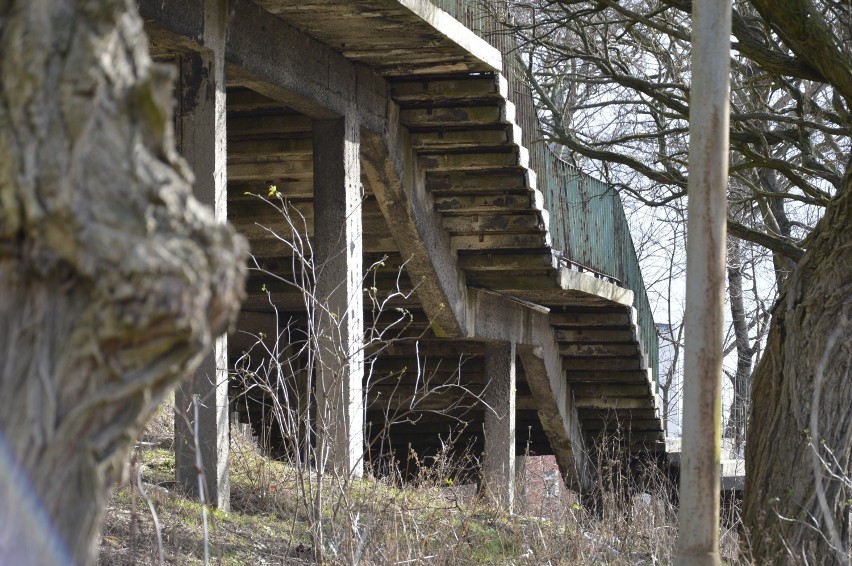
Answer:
(113, 279)
(798, 479)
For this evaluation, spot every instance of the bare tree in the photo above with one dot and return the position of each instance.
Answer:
(612, 82)
(113, 279)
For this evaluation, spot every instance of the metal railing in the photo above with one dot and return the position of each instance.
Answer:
(587, 220)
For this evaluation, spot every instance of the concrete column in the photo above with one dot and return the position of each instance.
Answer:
(201, 136)
(338, 319)
(498, 468)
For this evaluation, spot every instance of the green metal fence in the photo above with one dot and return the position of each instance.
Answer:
(587, 220)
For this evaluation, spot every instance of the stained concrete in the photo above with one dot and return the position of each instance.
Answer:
(498, 469)
(459, 207)
(339, 307)
(201, 134)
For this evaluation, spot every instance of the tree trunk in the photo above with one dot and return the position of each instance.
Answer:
(113, 279)
(735, 427)
(800, 432)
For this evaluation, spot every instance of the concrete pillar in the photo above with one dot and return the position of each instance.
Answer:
(498, 468)
(338, 319)
(201, 136)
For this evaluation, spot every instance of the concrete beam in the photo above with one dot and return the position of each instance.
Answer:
(603, 364)
(614, 425)
(451, 91)
(558, 415)
(614, 377)
(456, 32)
(301, 72)
(315, 80)
(640, 391)
(391, 169)
(617, 415)
(570, 280)
(497, 318)
(591, 320)
(338, 315)
(295, 69)
(202, 141)
(616, 403)
(498, 469)
(628, 436)
(597, 351)
(176, 26)
(594, 336)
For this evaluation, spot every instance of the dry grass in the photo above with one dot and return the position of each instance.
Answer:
(375, 521)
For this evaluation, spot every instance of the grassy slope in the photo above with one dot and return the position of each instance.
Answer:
(368, 522)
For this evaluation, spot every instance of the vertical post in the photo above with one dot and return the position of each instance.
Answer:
(202, 140)
(705, 284)
(498, 473)
(339, 311)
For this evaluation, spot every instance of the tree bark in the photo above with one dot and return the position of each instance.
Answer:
(113, 279)
(800, 434)
(735, 427)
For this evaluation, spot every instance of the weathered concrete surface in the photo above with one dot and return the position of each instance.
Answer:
(498, 469)
(586, 283)
(295, 69)
(400, 190)
(497, 318)
(339, 308)
(456, 32)
(201, 136)
(416, 38)
(455, 200)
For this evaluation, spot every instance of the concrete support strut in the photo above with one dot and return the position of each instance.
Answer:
(338, 311)
(390, 167)
(496, 318)
(201, 133)
(498, 470)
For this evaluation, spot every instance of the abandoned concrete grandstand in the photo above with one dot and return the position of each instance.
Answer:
(405, 146)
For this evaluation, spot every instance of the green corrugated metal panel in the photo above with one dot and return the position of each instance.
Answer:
(587, 220)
